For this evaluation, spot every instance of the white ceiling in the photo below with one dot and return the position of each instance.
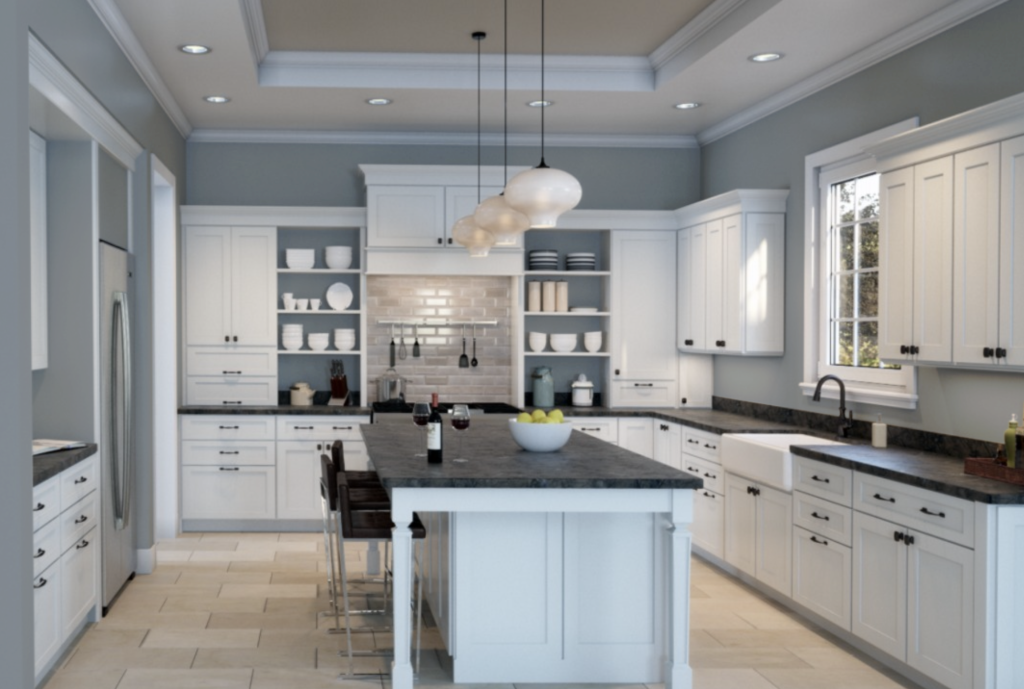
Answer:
(302, 69)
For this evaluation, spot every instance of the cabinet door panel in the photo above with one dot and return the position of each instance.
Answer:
(208, 285)
(709, 521)
(733, 292)
(821, 576)
(740, 524)
(46, 603)
(37, 223)
(879, 585)
(715, 302)
(636, 435)
(775, 539)
(78, 590)
(254, 286)
(668, 439)
(406, 216)
(298, 480)
(692, 291)
(644, 332)
(227, 492)
(1011, 252)
(933, 262)
(762, 267)
(896, 264)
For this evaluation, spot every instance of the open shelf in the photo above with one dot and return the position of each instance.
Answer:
(325, 351)
(321, 312)
(589, 354)
(563, 314)
(568, 273)
(319, 271)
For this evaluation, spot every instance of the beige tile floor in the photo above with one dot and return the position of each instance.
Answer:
(241, 611)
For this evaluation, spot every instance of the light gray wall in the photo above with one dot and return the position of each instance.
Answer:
(328, 175)
(113, 200)
(16, 621)
(975, 63)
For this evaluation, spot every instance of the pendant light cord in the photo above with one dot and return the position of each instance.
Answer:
(505, 39)
(478, 36)
(543, 102)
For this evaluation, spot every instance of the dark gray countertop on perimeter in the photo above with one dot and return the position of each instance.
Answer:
(52, 463)
(703, 419)
(277, 410)
(495, 461)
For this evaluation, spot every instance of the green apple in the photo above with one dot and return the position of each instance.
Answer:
(556, 415)
(538, 414)
(524, 417)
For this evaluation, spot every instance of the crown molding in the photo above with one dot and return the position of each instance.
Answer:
(255, 30)
(930, 26)
(277, 216)
(731, 202)
(118, 28)
(273, 136)
(693, 30)
(56, 83)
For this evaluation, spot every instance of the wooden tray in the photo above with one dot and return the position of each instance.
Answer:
(987, 467)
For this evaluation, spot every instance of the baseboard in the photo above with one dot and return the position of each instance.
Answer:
(145, 560)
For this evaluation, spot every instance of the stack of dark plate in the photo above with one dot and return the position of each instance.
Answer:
(543, 259)
(582, 260)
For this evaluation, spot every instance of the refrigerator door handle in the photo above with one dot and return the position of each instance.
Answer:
(121, 410)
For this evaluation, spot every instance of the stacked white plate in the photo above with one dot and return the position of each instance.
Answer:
(543, 259)
(583, 309)
(344, 339)
(338, 257)
(563, 342)
(592, 341)
(299, 259)
(538, 341)
(318, 341)
(291, 336)
(581, 260)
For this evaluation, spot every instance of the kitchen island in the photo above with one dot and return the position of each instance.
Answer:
(571, 566)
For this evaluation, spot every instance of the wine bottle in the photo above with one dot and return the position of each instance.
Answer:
(434, 426)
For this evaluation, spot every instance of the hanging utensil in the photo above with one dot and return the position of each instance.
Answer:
(402, 352)
(391, 352)
(416, 342)
(473, 362)
(463, 360)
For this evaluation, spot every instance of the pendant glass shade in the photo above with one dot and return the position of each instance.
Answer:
(501, 220)
(478, 241)
(542, 194)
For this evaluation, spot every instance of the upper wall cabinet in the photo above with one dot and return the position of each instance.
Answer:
(951, 263)
(421, 217)
(730, 273)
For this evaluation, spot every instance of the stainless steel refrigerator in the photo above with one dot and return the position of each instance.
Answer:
(116, 441)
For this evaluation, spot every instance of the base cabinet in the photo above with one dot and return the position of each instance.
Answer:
(668, 441)
(79, 565)
(636, 435)
(49, 631)
(298, 479)
(821, 576)
(758, 531)
(228, 492)
(709, 522)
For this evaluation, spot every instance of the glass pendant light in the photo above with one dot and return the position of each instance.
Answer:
(494, 214)
(543, 193)
(466, 231)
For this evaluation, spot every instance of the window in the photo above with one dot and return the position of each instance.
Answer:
(841, 303)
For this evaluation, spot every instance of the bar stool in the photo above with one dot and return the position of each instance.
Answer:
(372, 526)
(355, 478)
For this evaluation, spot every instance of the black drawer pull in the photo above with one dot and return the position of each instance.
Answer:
(904, 349)
(232, 373)
(41, 584)
(81, 520)
(709, 495)
(232, 401)
(304, 428)
(81, 479)
(818, 516)
(39, 507)
(229, 468)
(229, 452)
(39, 554)
(925, 510)
(898, 536)
(821, 480)
(643, 385)
(711, 447)
(986, 352)
(710, 476)
(341, 428)
(228, 428)
(688, 343)
(695, 470)
(815, 539)
(691, 440)
(879, 497)
(592, 430)
(83, 544)
(1000, 353)
(914, 349)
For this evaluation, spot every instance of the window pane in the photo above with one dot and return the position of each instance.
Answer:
(868, 250)
(867, 344)
(844, 296)
(843, 350)
(867, 197)
(846, 248)
(867, 297)
(845, 201)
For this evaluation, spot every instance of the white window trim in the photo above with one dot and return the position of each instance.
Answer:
(848, 153)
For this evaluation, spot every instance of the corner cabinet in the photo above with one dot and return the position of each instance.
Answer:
(730, 273)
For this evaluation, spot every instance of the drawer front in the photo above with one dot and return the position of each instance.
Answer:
(78, 481)
(603, 428)
(45, 502)
(645, 394)
(45, 547)
(714, 477)
(227, 452)
(77, 520)
(702, 444)
(824, 480)
(933, 513)
(832, 521)
(230, 362)
(228, 427)
(344, 428)
(231, 392)
(228, 492)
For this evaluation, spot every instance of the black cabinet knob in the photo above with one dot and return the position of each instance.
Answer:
(904, 349)
(987, 352)
(1000, 353)
(440, 241)
(914, 349)
(688, 343)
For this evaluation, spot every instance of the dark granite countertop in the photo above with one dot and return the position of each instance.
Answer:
(704, 419)
(52, 463)
(495, 461)
(939, 473)
(277, 409)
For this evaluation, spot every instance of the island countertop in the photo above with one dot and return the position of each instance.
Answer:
(495, 461)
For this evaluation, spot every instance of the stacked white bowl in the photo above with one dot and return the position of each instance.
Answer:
(318, 341)
(538, 341)
(592, 341)
(299, 259)
(291, 336)
(344, 338)
(338, 257)
(563, 342)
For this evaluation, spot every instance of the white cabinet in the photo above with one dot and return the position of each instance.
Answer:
(730, 275)
(644, 359)
(758, 531)
(298, 479)
(79, 565)
(419, 216)
(699, 456)
(606, 429)
(668, 441)
(47, 611)
(708, 525)
(636, 435)
(37, 224)
(1011, 251)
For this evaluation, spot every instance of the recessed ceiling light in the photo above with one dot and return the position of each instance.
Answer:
(194, 49)
(765, 57)
(686, 106)
(541, 103)
(379, 101)
(216, 99)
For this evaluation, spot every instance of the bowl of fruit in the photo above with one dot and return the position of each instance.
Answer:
(540, 431)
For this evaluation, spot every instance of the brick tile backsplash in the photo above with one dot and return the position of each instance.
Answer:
(418, 298)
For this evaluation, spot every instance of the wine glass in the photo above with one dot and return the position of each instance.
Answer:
(420, 416)
(460, 422)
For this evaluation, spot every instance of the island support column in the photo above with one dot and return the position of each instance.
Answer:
(678, 674)
(401, 667)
